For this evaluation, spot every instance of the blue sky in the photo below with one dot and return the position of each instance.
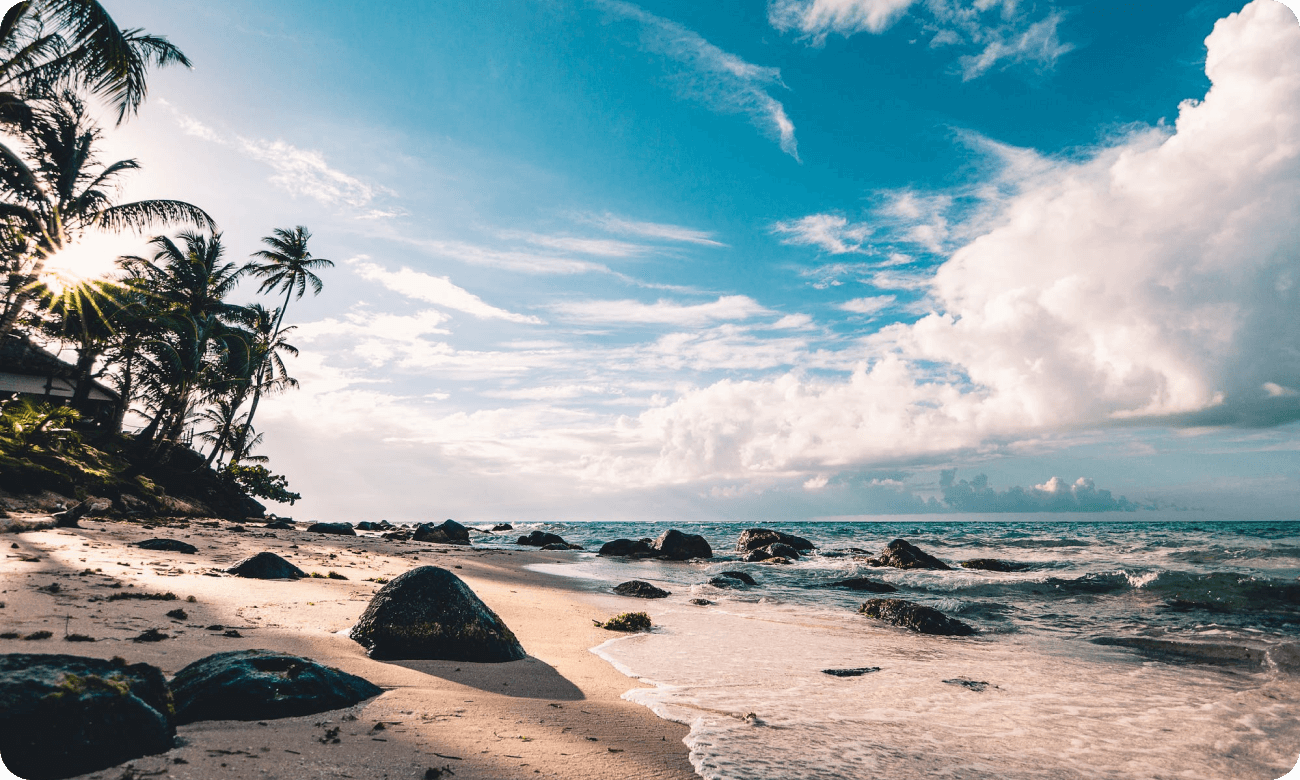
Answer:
(780, 259)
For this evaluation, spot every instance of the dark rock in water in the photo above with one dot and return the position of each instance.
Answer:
(907, 614)
(993, 564)
(540, 539)
(756, 556)
(902, 554)
(863, 584)
(626, 548)
(777, 561)
(677, 546)
(1219, 654)
(562, 546)
(974, 685)
(338, 529)
(640, 590)
(502, 527)
(430, 613)
(63, 715)
(369, 526)
(266, 566)
(701, 602)
(167, 545)
(262, 684)
(754, 538)
(739, 575)
(449, 532)
(780, 550)
(280, 525)
(851, 672)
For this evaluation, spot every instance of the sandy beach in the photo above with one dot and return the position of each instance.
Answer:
(557, 713)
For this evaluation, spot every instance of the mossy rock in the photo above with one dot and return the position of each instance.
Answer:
(628, 621)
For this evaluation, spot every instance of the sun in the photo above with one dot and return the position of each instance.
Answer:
(91, 257)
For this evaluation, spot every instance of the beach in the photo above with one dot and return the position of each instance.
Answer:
(556, 714)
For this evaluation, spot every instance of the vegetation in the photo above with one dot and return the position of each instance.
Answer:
(628, 621)
(191, 366)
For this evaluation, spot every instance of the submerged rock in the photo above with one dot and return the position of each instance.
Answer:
(540, 539)
(449, 532)
(677, 546)
(430, 613)
(266, 566)
(754, 538)
(979, 686)
(641, 590)
(502, 527)
(907, 614)
(902, 554)
(167, 545)
(858, 672)
(739, 575)
(562, 546)
(1216, 653)
(863, 584)
(262, 684)
(64, 715)
(338, 529)
(993, 564)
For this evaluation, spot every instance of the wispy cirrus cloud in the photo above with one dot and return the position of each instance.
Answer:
(720, 80)
(998, 32)
(653, 230)
(628, 312)
(437, 290)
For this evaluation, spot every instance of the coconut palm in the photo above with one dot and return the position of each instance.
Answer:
(49, 202)
(289, 267)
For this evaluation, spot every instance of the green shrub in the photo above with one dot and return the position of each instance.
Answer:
(628, 621)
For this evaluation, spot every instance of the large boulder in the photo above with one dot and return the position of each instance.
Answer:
(449, 532)
(430, 613)
(863, 584)
(754, 538)
(262, 684)
(677, 546)
(540, 539)
(167, 545)
(902, 554)
(338, 529)
(266, 566)
(64, 715)
(640, 590)
(627, 548)
(907, 614)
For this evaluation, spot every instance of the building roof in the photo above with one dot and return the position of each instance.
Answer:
(26, 368)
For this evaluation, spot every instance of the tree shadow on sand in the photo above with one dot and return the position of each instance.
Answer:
(526, 679)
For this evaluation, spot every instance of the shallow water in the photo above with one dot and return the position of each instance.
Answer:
(746, 673)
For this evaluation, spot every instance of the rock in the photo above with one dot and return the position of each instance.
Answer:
(902, 554)
(260, 685)
(640, 590)
(756, 556)
(858, 672)
(626, 548)
(64, 715)
(677, 546)
(369, 526)
(562, 546)
(780, 550)
(69, 517)
(975, 685)
(338, 529)
(540, 539)
(399, 536)
(907, 614)
(864, 584)
(449, 532)
(430, 613)
(739, 575)
(777, 561)
(167, 545)
(701, 602)
(266, 566)
(732, 579)
(993, 564)
(502, 527)
(280, 525)
(754, 538)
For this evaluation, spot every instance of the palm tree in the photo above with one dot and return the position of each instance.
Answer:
(288, 267)
(46, 44)
(51, 202)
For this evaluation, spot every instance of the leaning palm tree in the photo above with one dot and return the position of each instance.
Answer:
(289, 267)
(51, 199)
(47, 44)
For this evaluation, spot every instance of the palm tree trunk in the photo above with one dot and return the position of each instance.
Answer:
(261, 373)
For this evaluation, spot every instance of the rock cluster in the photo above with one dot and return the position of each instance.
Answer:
(540, 539)
(672, 545)
(338, 529)
(449, 532)
(429, 612)
(382, 525)
(761, 544)
(918, 618)
(902, 554)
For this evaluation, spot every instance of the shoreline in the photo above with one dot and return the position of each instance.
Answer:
(558, 713)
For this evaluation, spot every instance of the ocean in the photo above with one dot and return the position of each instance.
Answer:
(1123, 650)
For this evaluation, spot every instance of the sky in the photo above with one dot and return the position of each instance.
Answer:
(759, 260)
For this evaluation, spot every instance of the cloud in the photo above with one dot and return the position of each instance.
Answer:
(1055, 495)
(654, 230)
(1002, 31)
(721, 81)
(509, 259)
(437, 290)
(627, 312)
(601, 247)
(829, 232)
(297, 171)
(869, 306)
